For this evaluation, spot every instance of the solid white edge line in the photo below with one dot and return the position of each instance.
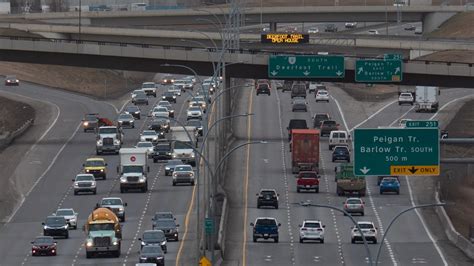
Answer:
(374, 114)
(45, 171)
(340, 111)
(398, 119)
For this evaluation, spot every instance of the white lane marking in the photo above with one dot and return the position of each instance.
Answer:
(403, 115)
(422, 220)
(285, 180)
(340, 111)
(58, 112)
(381, 230)
(370, 117)
(142, 216)
(265, 160)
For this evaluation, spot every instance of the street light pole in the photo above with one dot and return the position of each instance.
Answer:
(395, 218)
(80, 18)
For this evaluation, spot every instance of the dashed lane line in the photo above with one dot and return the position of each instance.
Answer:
(140, 220)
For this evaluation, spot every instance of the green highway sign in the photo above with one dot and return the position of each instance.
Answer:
(306, 66)
(422, 123)
(396, 151)
(378, 70)
(392, 57)
(209, 225)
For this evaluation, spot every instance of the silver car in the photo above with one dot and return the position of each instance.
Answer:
(85, 183)
(299, 105)
(354, 205)
(70, 215)
(183, 174)
(126, 120)
(175, 90)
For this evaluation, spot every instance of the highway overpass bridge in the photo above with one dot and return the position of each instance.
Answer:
(244, 63)
(431, 16)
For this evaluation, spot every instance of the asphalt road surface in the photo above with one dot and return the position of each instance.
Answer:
(269, 166)
(55, 162)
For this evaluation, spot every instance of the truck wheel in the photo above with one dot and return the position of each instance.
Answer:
(298, 190)
(362, 214)
(123, 218)
(122, 190)
(381, 192)
(75, 192)
(67, 235)
(301, 240)
(89, 254)
(98, 152)
(317, 190)
(276, 239)
(398, 192)
(276, 206)
(353, 241)
(117, 253)
(94, 192)
(322, 241)
(192, 183)
(254, 239)
(174, 183)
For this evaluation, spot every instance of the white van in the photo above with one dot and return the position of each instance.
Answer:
(338, 138)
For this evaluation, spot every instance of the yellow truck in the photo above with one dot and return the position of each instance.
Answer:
(104, 233)
(96, 166)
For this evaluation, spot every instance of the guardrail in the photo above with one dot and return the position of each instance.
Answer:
(10, 136)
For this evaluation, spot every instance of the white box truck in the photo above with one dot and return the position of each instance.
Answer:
(182, 144)
(426, 99)
(133, 168)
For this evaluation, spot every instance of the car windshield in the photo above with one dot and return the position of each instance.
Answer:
(168, 94)
(55, 220)
(90, 118)
(329, 123)
(267, 192)
(111, 202)
(149, 133)
(406, 95)
(158, 235)
(353, 201)
(322, 92)
(11, 77)
(263, 85)
(144, 144)
(84, 178)
(266, 222)
(148, 85)
(63, 212)
(160, 120)
(94, 163)
(164, 104)
(340, 149)
(173, 88)
(132, 169)
(107, 130)
(194, 108)
(163, 215)
(44, 241)
(101, 227)
(389, 180)
(194, 123)
(165, 223)
(183, 168)
(125, 116)
(182, 145)
(320, 117)
(164, 147)
(160, 109)
(138, 92)
(312, 225)
(175, 162)
(308, 175)
(151, 249)
(299, 87)
(299, 101)
(198, 99)
(141, 96)
(132, 109)
(365, 226)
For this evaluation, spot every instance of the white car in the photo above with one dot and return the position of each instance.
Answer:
(148, 145)
(405, 98)
(85, 183)
(149, 88)
(194, 112)
(338, 138)
(313, 30)
(373, 32)
(160, 112)
(312, 230)
(70, 215)
(175, 90)
(183, 174)
(368, 229)
(198, 102)
(149, 135)
(350, 25)
(322, 95)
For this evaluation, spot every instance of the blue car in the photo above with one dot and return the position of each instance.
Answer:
(390, 184)
(266, 228)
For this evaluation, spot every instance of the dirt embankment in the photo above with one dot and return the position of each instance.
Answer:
(14, 114)
(101, 83)
(369, 92)
(457, 180)
(458, 26)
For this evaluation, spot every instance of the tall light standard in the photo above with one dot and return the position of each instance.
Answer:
(80, 17)
(395, 218)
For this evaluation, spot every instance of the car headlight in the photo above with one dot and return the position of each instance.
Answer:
(168, 153)
(163, 243)
(143, 243)
(101, 170)
(192, 155)
(121, 209)
(164, 97)
(45, 227)
(142, 179)
(116, 142)
(120, 122)
(171, 111)
(174, 156)
(174, 96)
(87, 170)
(123, 179)
(93, 183)
(115, 243)
(65, 226)
(89, 243)
(99, 142)
(86, 124)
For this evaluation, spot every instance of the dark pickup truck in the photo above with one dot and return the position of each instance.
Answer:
(162, 151)
(327, 126)
(307, 180)
(265, 227)
(296, 124)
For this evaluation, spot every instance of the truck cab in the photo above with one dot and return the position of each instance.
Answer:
(96, 167)
(347, 182)
(109, 139)
(307, 180)
(149, 88)
(266, 228)
(104, 233)
(183, 141)
(296, 124)
(133, 169)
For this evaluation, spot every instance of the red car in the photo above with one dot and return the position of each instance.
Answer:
(43, 245)
(307, 180)
(11, 81)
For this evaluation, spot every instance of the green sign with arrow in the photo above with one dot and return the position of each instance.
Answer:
(306, 66)
(378, 70)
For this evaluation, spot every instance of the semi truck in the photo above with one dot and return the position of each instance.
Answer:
(304, 149)
(426, 99)
(133, 168)
(104, 233)
(347, 182)
(183, 141)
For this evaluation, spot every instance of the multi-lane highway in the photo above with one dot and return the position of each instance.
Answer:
(268, 166)
(55, 160)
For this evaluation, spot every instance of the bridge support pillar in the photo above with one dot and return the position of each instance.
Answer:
(273, 26)
(432, 21)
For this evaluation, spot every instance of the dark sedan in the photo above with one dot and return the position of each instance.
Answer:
(43, 245)
(141, 99)
(126, 120)
(152, 254)
(133, 110)
(299, 105)
(154, 237)
(159, 124)
(11, 81)
(169, 227)
(56, 226)
(169, 96)
(169, 167)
